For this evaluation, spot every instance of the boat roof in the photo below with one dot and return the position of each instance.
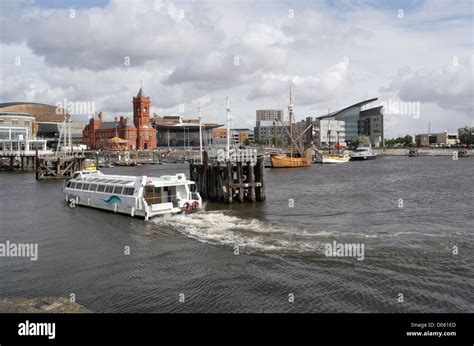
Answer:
(128, 180)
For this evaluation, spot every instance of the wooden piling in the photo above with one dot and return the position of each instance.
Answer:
(229, 180)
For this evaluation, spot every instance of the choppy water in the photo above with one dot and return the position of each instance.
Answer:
(408, 250)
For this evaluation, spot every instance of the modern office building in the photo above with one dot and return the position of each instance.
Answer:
(270, 115)
(18, 133)
(271, 127)
(272, 132)
(361, 119)
(444, 138)
(177, 131)
(48, 119)
(240, 136)
(329, 132)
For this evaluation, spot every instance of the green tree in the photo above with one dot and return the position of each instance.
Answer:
(361, 141)
(247, 142)
(408, 141)
(466, 135)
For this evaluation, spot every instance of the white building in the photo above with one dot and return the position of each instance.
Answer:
(17, 134)
(329, 131)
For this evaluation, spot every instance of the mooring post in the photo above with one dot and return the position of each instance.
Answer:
(251, 180)
(229, 181)
(259, 173)
(205, 167)
(239, 179)
(37, 165)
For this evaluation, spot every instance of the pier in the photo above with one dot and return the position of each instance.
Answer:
(60, 165)
(228, 177)
(17, 161)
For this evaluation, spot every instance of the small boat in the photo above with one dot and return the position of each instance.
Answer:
(89, 164)
(335, 159)
(363, 153)
(137, 196)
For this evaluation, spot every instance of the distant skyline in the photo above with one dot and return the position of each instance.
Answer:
(332, 53)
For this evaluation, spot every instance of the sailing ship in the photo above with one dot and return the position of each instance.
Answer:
(300, 158)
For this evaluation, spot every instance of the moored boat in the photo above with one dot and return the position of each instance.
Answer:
(297, 157)
(137, 196)
(288, 161)
(335, 159)
(363, 153)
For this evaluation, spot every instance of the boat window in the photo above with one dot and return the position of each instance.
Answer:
(128, 191)
(101, 188)
(92, 187)
(118, 190)
(73, 185)
(109, 188)
(79, 186)
(68, 184)
(86, 187)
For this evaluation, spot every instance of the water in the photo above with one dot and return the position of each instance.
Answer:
(408, 250)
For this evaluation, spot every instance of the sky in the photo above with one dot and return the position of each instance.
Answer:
(416, 57)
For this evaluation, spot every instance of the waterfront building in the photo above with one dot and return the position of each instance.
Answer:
(269, 115)
(271, 127)
(442, 138)
(48, 120)
(219, 136)
(361, 119)
(139, 134)
(240, 136)
(18, 133)
(329, 132)
(177, 131)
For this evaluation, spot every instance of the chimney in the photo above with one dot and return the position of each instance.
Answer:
(121, 121)
(100, 116)
(116, 119)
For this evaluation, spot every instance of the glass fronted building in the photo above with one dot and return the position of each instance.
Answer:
(361, 122)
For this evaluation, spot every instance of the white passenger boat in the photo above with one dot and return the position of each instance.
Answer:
(137, 196)
(363, 153)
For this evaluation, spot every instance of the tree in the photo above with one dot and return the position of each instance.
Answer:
(407, 141)
(361, 141)
(466, 135)
(247, 142)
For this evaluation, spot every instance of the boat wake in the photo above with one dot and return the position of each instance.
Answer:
(249, 235)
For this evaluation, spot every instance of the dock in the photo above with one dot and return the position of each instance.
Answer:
(59, 165)
(227, 178)
(17, 160)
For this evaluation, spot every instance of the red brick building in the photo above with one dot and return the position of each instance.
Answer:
(139, 134)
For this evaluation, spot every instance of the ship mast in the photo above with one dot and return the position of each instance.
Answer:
(228, 127)
(200, 131)
(290, 114)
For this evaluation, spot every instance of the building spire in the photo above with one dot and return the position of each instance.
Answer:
(140, 92)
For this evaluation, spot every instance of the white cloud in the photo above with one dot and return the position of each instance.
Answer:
(331, 57)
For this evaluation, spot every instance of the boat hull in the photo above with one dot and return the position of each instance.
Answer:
(283, 161)
(362, 158)
(334, 159)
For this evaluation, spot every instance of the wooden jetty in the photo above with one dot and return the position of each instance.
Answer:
(229, 178)
(17, 161)
(60, 165)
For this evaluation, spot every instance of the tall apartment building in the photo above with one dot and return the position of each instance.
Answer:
(269, 126)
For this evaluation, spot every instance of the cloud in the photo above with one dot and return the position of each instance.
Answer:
(333, 54)
(308, 90)
(109, 37)
(451, 87)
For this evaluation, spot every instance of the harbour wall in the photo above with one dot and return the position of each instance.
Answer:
(421, 152)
